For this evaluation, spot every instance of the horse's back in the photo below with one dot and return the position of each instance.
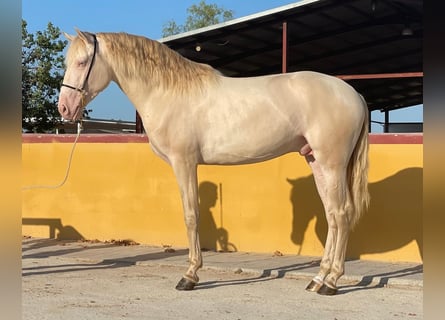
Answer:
(304, 95)
(255, 119)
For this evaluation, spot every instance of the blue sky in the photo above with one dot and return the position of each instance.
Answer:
(145, 18)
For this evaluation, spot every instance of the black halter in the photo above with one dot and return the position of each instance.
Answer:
(82, 89)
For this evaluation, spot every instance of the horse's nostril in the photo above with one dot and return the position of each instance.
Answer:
(63, 110)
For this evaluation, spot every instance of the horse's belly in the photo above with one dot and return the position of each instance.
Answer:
(237, 151)
(230, 158)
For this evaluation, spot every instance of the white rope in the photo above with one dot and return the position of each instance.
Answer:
(79, 129)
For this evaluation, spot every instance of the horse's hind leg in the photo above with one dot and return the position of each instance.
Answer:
(332, 187)
(325, 265)
(338, 206)
(186, 175)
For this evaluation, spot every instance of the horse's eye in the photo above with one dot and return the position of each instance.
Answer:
(81, 63)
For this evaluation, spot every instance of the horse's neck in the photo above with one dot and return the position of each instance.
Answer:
(155, 91)
(146, 95)
(150, 101)
(138, 92)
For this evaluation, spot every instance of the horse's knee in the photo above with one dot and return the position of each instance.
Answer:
(342, 220)
(191, 221)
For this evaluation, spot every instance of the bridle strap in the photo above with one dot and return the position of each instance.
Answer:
(92, 61)
(71, 87)
(82, 89)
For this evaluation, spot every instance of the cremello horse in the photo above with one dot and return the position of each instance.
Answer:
(194, 115)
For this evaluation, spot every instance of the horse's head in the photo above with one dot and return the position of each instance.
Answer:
(86, 75)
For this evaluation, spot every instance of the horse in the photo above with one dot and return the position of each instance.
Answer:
(194, 115)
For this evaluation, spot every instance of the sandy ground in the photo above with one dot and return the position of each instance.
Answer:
(68, 288)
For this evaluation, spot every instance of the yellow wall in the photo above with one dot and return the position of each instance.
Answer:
(123, 191)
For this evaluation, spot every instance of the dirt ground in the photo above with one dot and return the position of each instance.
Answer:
(62, 288)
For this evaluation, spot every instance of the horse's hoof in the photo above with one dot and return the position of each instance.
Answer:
(326, 290)
(314, 286)
(185, 284)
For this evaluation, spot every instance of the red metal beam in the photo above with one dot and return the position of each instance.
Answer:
(284, 49)
(139, 126)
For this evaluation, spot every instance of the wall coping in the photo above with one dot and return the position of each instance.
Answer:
(374, 138)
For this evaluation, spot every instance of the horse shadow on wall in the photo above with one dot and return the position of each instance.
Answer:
(211, 237)
(393, 220)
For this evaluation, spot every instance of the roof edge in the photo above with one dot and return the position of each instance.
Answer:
(238, 20)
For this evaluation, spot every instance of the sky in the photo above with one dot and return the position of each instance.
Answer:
(146, 18)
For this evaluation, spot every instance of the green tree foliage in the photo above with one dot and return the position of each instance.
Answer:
(42, 74)
(199, 16)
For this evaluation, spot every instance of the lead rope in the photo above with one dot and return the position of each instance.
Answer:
(79, 129)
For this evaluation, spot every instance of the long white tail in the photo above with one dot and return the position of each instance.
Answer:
(358, 173)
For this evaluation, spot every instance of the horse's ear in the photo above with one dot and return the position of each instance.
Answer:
(68, 36)
(85, 36)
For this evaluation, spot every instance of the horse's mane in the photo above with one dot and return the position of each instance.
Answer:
(155, 63)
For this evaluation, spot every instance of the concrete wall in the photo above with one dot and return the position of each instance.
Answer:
(118, 189)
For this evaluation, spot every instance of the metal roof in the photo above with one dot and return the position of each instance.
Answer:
(335, 37)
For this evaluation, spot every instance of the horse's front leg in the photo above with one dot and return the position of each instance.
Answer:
(186, 175)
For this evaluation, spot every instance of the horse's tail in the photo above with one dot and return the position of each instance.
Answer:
(358, 172)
